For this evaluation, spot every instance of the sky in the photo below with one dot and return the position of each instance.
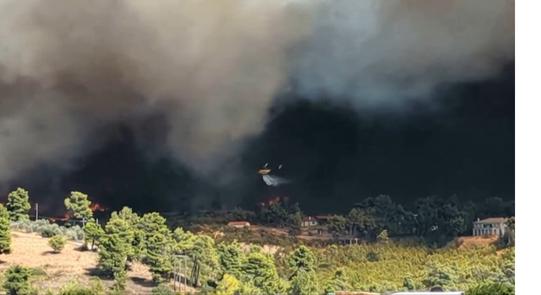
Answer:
(174, 106)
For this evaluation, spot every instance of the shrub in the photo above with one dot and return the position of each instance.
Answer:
(74, 288)
(372, 256)
(492, 289)
(57, 243)
(162, 289)
(16, 281)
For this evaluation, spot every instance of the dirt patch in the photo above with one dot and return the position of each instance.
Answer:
(475, 242)
(72, 264)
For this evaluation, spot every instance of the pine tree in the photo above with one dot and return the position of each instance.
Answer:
(204, 260)
(158, 245)
(231, 257)
(302, 264)
(114, 248)
(5, 233)
(78, 205)
(18, 205)
(93, 232)
(302, 258)
(16, 281)
(259, 269)
(304, 283)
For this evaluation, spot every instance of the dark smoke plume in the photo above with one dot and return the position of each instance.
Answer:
(70, 68)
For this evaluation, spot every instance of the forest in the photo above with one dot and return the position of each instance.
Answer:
(384, 262)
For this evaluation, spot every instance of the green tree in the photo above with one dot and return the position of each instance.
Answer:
(301, 258)
(78, 205)
(304, 283)
(115, 247)
(492, 289)
(162, 289)
(93, 233)
(5, 232)
(259, 269)
(338, 282)
(229, 285)
(183, 240)
(231, 257)
(204, 257)
(337, 225)
(302, 265)
(57, 243)
(157, 245)
(138, 241)
(18, 205)
(16, 281)
(363, 221)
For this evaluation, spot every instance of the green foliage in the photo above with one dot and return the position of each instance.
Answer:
(5, 233)
(93, 232)
(230, 257)
(260, 270)
(304, 283)
(302, 264)
(337, 225)
(453, 269)
(115, 246)
(78, 205)
(75, 288)
(16, 281)
(205, 262)
(372, 256)
(18, 205)
(229, 285)
(492, 289)
(57, 243)
(337, 283)
(157, 244)
(301, 259)
(47, 230)
(162, 289)
(183, 240)
(120, 277)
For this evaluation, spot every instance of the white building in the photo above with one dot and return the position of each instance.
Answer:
(493, 226)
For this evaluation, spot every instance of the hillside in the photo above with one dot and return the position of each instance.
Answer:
(72, 264)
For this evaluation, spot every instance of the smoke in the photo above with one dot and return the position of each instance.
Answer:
(69, 69)
(377, 54)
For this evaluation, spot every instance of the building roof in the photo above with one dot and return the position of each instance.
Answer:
(238, 222)
(308, 218)
(492, 220)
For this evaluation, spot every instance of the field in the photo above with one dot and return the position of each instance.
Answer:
(377, 267)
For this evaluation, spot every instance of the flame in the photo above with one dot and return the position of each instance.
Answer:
(272, 200)
(97, 207)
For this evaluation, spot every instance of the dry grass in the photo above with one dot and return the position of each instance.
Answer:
(475, 242)
(71, 264)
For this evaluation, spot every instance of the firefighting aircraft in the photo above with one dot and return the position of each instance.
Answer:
(271, 180)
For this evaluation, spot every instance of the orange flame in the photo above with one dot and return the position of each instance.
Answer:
(97, 207)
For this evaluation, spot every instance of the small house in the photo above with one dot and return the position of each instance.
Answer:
(493, 226)
(309, 221)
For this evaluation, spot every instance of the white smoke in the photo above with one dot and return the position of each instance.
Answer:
(212, 68)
